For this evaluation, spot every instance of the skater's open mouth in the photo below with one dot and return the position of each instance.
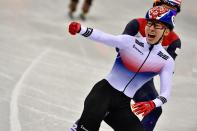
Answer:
(151, 36)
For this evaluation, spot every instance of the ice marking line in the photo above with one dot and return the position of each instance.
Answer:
(14, 121)
(6, 76)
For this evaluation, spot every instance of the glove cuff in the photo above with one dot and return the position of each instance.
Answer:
(160, 100)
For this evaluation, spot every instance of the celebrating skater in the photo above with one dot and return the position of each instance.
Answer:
(139, 60)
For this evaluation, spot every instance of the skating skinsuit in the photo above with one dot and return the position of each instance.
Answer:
(136, 63)
(171, 42)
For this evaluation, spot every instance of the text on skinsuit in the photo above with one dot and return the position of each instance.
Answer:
(162, 55)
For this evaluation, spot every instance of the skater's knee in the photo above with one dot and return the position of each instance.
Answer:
(73, 5)
(86, 6)
(88, 124)
(76, 1)
(89, 2)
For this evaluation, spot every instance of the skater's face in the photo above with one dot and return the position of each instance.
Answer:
(154, 30)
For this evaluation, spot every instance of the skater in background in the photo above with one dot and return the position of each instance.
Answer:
(85, 8)
(139, 59)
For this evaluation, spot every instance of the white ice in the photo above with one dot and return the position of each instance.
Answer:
(45, 73)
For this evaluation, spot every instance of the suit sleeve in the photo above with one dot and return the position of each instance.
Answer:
(131, 28)
(165, 83)
(173, 48)
(119, 41)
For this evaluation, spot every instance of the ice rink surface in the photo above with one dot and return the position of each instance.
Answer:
(45, 73)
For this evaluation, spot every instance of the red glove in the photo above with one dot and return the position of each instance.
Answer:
(74, 28)
(143, 108)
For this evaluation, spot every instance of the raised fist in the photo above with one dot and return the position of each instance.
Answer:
(74, 28)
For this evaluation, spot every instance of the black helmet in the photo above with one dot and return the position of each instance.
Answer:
(174, 3)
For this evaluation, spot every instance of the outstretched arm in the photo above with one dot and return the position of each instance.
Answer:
(120, 41)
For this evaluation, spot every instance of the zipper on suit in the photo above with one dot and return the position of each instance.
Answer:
(150, 49)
